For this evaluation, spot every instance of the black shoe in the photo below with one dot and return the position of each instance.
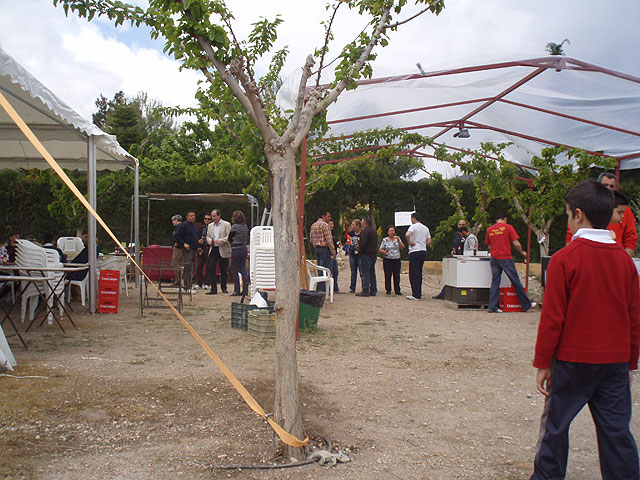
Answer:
(398, 293)
(224, 291)
(363, 294)
(352, 291)
(438, 297)
(211, 293)
(234, 294)
(372, 294)
(388, 293)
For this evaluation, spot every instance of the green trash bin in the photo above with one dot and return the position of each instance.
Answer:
(310, 305)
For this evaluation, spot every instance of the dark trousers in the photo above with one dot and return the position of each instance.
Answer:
(324, 259)
(223, 263)
(606, 389)
(201, 263)
(334, 274)
(368, 274)
(188, 257)
(416, 262)
(354, 263)
(391, 267)
(239, 264)
(509, 267)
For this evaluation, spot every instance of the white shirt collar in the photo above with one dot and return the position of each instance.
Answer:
(594, 234)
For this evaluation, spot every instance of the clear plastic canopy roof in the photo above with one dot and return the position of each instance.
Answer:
(531, 103)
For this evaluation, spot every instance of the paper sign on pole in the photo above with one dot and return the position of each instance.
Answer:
(403, 219)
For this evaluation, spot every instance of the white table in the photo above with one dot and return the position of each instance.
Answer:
(20, 278)
(38, 274)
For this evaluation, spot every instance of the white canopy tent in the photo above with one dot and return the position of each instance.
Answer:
(532, 103)
(75, 143)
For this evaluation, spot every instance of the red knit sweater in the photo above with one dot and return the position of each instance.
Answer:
(591, 309)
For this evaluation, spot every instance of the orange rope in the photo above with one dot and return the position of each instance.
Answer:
(248, 398)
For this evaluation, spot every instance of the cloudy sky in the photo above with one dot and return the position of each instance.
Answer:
(80, 60)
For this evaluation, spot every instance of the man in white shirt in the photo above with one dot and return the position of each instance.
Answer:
(418, 237)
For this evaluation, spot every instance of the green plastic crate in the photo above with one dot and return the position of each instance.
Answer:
(261, 323)
(239, 313)
(308, 318)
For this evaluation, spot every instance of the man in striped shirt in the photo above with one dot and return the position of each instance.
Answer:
(322, 240)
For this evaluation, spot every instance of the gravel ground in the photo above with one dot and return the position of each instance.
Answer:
(409, 389)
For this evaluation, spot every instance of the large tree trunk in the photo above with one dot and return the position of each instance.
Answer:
(284, 215)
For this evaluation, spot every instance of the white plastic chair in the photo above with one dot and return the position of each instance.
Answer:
(119, 264)
(70, 246)
(84, 288)
(322, 274)
(262, 263)
(31, 255)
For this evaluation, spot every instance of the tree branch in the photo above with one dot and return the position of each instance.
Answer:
(523, 215)
(394, 25)
(315, 105)
(455, 196)
(288, 136)
(325, 47)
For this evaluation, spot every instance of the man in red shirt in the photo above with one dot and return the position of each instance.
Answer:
(588, 340)
(499, 238)
(625, 231)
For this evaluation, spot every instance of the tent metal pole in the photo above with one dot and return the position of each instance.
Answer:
(91, 187)
(148, 216)
(136, 213)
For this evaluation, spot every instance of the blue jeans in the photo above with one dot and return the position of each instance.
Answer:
(334, 274)
(354, 263)
(368, 274)
(507, 266)
(323, 256)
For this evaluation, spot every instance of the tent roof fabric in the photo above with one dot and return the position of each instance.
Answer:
(62, 131)
(532, 103)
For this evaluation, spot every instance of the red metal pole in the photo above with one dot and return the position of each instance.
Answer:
(526, 280)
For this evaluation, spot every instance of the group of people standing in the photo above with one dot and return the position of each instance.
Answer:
(210, 248)
(362, 248)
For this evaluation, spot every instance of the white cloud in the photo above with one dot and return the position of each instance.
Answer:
(80, 60)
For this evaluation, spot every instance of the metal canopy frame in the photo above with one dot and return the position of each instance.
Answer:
(534, 67)
(539, 65)
(201, 198)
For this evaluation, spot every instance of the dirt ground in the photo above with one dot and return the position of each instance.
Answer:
(409, 389)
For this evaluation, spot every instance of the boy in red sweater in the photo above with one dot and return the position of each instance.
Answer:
(588, 340)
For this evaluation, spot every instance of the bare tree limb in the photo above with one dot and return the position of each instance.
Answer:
(315, 105)
(524, 216)
(288, 135)
(455, 196)
(325, 47)
(397, 24)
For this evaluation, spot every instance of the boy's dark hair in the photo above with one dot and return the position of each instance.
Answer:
(48, 238)
(619, 199)
(501, 215)
(417, 216)
(594, 199)
(463, 229)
